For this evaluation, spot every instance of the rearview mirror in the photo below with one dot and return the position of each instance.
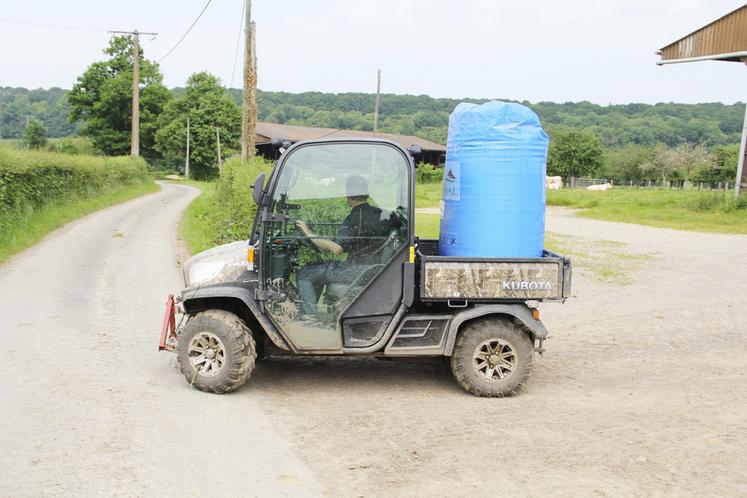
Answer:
(259, 184)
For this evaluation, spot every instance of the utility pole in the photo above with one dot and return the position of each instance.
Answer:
(741, 173)
(249, 104)
(186, 158)
(135, 134)
(376, 106)
(217, 142)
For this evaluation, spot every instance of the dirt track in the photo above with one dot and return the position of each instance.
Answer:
(642, 391)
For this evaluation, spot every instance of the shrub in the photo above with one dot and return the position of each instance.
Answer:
(71, 145)
(427, 173)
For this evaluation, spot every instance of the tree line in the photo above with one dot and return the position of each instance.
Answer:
(623, 142)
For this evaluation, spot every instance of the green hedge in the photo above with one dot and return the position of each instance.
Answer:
(227, 212)
(32, 180)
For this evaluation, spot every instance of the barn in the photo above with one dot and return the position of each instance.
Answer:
(267, 133)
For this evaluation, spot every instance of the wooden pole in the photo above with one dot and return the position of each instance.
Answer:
(135, 131)
(249, 104)
(378, 100)
(135, 135)
(186, 158)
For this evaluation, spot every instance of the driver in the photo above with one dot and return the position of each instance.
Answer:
(357, 236)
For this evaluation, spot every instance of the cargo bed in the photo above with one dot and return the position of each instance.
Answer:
(487, 280)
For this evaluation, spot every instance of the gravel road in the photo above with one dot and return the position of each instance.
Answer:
(643, 389)
(88, 407)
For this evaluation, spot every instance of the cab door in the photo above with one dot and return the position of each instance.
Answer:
(339, 216)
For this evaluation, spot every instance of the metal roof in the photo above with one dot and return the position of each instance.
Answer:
(267, 131)
(723, 39)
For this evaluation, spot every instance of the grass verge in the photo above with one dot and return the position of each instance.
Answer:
(682, 210)
(22, 234)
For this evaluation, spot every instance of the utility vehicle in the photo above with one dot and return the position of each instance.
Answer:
(399, 298)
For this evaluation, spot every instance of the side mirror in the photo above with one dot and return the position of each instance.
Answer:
(415, 150)
(259, 184)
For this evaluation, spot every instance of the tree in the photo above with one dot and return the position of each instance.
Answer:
(35, 134)
(725, 168)
(102, 99)
(209, 107)
(689, 159)
(660, 165)
(623, 164)
(574, 153)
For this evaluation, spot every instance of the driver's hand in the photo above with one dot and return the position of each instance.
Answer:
(303, 227)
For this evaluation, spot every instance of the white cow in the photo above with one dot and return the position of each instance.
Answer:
(604, 186)
(554, 182)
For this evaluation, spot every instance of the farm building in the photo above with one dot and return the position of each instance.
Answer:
(725, 39)
(433, 153)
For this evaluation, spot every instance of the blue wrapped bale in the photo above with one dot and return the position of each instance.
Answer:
(493, 202)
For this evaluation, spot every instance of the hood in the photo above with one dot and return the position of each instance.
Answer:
(220, 264)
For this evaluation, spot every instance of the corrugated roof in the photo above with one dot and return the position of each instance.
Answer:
(267, 131)
(724, 36)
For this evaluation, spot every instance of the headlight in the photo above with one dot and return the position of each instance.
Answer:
(202, 272)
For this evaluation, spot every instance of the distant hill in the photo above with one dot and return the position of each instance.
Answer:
(427, 117)
(49, 106)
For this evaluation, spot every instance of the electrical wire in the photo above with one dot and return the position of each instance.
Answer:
(238, 41)
(187, 32)
(51, 26)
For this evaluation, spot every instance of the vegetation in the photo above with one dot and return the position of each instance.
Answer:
(40, 191)
(616, 125)
(35, 135)
(225, 210)
(102, 100)
(48, 106)
(209, 110)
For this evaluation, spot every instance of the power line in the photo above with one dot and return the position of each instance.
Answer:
(187, 32)
(50, 26)
(238, 41)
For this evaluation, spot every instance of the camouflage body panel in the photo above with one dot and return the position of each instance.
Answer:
(491, 280)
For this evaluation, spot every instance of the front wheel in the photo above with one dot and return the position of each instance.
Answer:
(492, 357)
(216, 352)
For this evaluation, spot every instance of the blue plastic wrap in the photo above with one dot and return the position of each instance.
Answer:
(493, 202)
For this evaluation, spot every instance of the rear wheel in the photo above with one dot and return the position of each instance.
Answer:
(492, 357)
(216, 351)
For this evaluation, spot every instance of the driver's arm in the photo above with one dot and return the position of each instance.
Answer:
(322, 244)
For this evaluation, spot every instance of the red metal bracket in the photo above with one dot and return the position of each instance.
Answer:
(168, 330)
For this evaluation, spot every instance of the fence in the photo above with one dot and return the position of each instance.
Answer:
(668, 184)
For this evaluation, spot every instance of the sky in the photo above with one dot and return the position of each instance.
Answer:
(536, 50)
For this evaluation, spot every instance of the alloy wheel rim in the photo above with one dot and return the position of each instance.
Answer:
(207, 354)
(494, 360)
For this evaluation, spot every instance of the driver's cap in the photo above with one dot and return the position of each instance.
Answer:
(355, 186)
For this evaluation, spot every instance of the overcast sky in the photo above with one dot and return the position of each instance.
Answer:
(601, 51)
